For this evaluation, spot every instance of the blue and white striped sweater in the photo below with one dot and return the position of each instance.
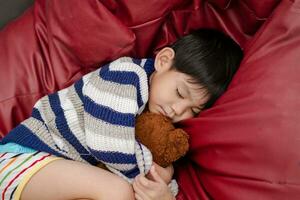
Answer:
(93, 120)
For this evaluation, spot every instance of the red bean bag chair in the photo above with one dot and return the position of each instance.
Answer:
(248, 145)
(244, 147)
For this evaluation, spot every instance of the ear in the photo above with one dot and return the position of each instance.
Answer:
(164, 59)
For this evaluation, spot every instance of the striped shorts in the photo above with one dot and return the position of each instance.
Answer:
(16, 169)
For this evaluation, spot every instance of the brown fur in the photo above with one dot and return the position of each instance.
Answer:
(158, 134)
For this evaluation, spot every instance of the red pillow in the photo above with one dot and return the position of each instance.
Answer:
(57, 41)
(248, 145)
(53, 44)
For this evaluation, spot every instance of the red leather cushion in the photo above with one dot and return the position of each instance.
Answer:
(243, 148)
(248, 145)
(53, 44)
(57, 41)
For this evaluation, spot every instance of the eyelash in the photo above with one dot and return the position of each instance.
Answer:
(179, 93)
(194, 113)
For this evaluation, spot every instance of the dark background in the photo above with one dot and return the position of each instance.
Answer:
(10, 9)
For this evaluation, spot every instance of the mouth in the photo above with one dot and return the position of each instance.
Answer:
(162, 111)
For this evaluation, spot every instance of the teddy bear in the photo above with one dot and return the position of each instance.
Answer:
(166, 143)
(158, 134)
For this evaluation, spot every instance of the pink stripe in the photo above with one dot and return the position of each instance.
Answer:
(3, 155)
(3, 194)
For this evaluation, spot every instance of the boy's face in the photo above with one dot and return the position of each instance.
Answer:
(171, 93)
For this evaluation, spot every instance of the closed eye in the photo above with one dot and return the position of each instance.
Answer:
(195, 111)
(178, 93)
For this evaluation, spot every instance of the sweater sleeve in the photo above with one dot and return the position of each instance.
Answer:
(112, 98)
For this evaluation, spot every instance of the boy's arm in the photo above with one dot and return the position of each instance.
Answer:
(112, 98)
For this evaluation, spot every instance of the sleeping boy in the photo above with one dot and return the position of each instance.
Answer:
(52, 154)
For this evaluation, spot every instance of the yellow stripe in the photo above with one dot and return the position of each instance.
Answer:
(8, 164)
(30, 173)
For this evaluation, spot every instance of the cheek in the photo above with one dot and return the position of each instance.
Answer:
(156, 90)
(153, 98)
(159, 95)
(160, 90)
(153, 94)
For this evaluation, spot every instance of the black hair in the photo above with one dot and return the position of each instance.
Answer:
(210, 57)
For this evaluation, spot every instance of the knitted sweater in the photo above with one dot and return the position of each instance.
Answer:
(93, 120)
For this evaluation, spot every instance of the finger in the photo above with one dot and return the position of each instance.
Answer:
(144, 193)
(155, 175)
(139, 192)
(165, 173)
(137, 186)
(145, 183)
(154, 163)
(170, 168)
(137, 196)
(142, 183)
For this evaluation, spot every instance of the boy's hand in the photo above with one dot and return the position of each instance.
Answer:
(165, 173)
(145, 189)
